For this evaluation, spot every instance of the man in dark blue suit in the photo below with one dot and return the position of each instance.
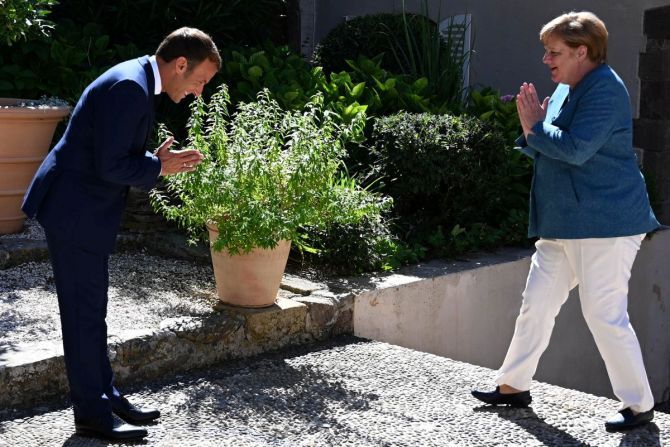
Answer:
(78, 196)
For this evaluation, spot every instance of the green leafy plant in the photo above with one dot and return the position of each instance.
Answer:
(365, 35)
(267, 173)
(431, 55)
(21, 19)
(499, 111)
(62, 65)
(381, 92)
(290, 79)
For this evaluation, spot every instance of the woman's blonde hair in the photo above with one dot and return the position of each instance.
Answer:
(579, 28)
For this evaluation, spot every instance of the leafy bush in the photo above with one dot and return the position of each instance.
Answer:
(369, 35)
(21, 19)
(266, 173)
(500, 112)
(145, 22)
(288, 77)
(61, 66)
(382, 92)
(431, 55)
(441, 171)
(89, 37)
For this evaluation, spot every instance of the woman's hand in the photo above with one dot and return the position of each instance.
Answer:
(529, 108)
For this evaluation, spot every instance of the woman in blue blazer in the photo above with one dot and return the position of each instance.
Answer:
(590, 210)
(78, 195)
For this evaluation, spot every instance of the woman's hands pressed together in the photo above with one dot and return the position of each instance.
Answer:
(529, 108)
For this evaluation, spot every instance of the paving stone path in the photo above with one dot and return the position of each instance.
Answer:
(346, 392)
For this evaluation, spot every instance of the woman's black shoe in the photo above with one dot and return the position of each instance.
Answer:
(520, 400)
(626, 419)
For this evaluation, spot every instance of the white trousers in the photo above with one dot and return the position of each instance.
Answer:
(601, 268)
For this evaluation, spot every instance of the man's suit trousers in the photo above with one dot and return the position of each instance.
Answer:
(81, 284)
(601, 268)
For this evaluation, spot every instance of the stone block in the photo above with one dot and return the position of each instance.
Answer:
(31, 373)
(656, 165)
(663, 212)
(284, 318)
(655, 100)
(299, 285)
(655, 65)
(656, 23)
(15, 251)
(651, 135)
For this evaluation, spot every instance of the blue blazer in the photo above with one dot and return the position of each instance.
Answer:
(586, 180)
(78, 193)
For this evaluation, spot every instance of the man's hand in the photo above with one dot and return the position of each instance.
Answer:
(175, 162)
(529, 108)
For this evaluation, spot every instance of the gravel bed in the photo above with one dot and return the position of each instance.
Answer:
(349, 393)
(31, 230)
(144, 290)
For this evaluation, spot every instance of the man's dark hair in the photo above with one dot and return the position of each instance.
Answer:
(191, 43)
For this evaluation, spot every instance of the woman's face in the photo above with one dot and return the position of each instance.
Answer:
(566, 63)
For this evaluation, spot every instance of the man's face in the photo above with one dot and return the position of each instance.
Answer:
(189, 80)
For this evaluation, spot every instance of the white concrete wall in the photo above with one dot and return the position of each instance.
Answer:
(508, 51)
(469, 314)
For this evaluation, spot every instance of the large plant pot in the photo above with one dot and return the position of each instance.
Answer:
(252, 279)
(25, 137)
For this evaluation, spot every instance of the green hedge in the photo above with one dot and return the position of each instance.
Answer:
(443, 172)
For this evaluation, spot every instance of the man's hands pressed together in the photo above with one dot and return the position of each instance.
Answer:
(176, 162)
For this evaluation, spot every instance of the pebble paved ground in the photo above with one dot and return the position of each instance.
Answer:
(348, 392)
(144, 290)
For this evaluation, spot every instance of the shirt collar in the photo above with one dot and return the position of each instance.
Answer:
(158, 87)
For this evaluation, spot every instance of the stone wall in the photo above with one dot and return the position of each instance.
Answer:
(652, 128)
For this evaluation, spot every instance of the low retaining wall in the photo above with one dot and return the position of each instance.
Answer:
(34, 373)
(466, 311)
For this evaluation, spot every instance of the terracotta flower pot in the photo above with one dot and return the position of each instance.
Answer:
(252, 279)
(26, 134)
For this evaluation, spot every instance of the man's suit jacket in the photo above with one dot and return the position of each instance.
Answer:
(78, 193)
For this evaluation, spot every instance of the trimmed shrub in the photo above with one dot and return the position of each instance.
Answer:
(442, 171)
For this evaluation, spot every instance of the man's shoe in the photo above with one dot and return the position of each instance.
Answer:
(132, 414)
(520, 400)
(626, 419)
(118, 430)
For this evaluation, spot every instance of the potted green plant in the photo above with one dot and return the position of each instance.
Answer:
(26, 126)
(266, 174)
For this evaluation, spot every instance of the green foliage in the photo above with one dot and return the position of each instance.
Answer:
(366, 35)
(289, 78)
(382, 92)
(266, 173)
(423, 52)
(500, 113)
(21, 19)
(90, 37)
(346, 248)
(403, 44)
(446, 172)
(63, 65)
(365, 86)
(145, 22)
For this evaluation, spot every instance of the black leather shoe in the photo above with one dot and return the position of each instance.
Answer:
(626, 419)
(130, 413)
(520, 400)
(117, 430)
